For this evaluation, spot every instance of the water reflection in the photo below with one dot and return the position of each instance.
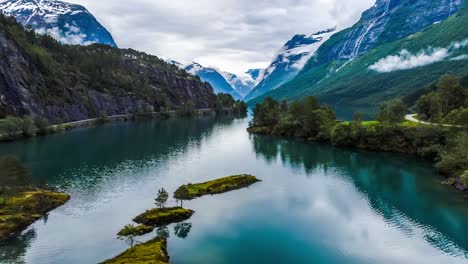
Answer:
(398, 187)
(182, 230)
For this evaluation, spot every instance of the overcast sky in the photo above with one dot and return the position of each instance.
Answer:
(233, 35)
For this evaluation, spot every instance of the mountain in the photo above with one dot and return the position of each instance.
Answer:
(213, 77)
(289, 60)
(396, 47)
(242, 85)
(41, 77)
(68, 23)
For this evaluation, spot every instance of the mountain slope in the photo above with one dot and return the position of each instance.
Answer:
(213, 77)
(242, 85)
(289, 61)
(68, 23)
(41, 77)
(340, 73)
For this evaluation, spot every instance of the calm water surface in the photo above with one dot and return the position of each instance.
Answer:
(316, 204)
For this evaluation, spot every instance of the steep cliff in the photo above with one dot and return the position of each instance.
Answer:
(39, 76)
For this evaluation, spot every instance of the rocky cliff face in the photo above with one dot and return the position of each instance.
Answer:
(390, 20)
(68, 23)
(24, 90)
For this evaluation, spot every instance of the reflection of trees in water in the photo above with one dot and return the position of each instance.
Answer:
(111, 145)
(14, 250)
(162, 232)
(182, 230)
(398, 187)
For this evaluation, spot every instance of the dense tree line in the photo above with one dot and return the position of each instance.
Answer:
(447, 104)
(446, 146)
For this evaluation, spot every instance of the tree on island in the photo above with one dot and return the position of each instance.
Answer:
(181, 194)
(162, 197)
(128, 234)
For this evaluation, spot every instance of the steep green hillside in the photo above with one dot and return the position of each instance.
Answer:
(355, 84)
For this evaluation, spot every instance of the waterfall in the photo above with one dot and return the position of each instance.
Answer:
(370, 25)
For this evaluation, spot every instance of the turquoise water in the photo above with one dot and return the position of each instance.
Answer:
(316, 203)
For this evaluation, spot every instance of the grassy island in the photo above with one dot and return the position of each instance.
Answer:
(25, 208)
(139, 230)
(163, 216)
(222, 185)
(153, 251)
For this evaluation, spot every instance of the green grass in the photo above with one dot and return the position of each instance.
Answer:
(222, 185)
(27, 207)
(137, 231)
(151, 252)
(163, 216)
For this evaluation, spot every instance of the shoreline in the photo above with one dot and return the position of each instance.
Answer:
(445, 179)
(59, 128)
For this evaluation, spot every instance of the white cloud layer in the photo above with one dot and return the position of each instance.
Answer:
(233, 35)
(405, 60)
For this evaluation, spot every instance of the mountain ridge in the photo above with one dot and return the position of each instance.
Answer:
(69, 23)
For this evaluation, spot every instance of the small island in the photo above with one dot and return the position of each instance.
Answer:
(22, 200)
(23, 209)
(163, 216)
(222, 185)
(153, 251)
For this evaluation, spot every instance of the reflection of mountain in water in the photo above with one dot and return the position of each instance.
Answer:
(388, 181)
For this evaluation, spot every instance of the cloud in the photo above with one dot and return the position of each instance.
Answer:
(405, 60)
(70, 35)
(459, 58)
(234, 35)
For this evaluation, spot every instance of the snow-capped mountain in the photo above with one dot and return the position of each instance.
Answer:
(289, 61)
(241, 84)
(213, 77)
(69, 23)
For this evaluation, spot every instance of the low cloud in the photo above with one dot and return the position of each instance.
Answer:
(70, 35)
(405, 60)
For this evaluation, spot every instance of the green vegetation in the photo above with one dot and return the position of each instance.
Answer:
(225, 103)
(355, 84)
(445, 146)
(153, 251)
(163, 216)
(130, 231)
(162, 197)
(102, 68)
(192, 191)
(21, 203)
(447, 104)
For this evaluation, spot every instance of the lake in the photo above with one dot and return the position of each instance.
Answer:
(316, 203)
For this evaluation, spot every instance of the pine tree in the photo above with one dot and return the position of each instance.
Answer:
(162, 197)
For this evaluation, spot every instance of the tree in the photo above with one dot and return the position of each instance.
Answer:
(41, 124)
(181, 194)
(393, 112)
(128, 234)
(162, 197)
